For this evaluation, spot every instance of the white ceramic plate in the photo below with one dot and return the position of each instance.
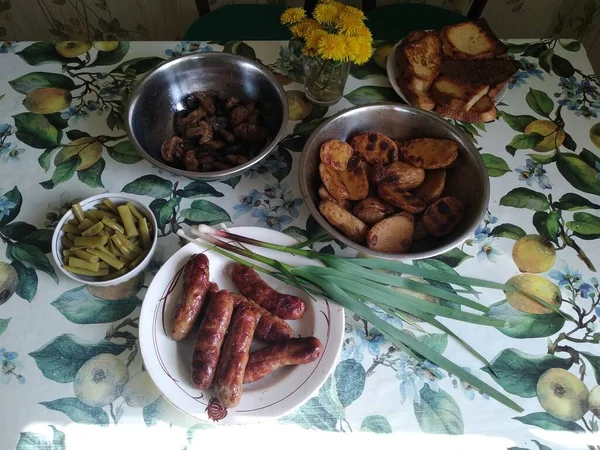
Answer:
(393, 72)
(168, 362)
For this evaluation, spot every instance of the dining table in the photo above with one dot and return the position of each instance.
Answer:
(542, 154)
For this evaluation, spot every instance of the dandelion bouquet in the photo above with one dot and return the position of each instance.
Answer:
(333, 38)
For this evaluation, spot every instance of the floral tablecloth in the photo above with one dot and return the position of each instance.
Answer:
(62, 139)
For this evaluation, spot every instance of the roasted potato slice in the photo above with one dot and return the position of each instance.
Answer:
(333, 182)
(430, 153)
(375, 147)
(350, 226)
(433, 187)
(356, 183)
(400, 198)
(443, 216)
(420, 230)
(405, 175)
(325, 195)
(392, 235)
(372, 210)
(336, 153)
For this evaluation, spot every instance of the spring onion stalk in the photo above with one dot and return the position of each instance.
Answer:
(360, 286)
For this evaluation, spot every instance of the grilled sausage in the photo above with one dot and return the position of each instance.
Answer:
(279, 354)
(252, 286)
(217, 315)
(234, 356)
(195, 285)
(270, 327)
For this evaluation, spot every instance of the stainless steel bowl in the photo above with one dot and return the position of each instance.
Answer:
(466, 178)
(155, 100)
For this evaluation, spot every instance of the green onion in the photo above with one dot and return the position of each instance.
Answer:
(365, 287)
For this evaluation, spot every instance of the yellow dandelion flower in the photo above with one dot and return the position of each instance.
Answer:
(352, 47)
(333, 46)
(312, 38)
(340, 7)
(354, 12)
(304, 28)
(362, 53)
(309, 51)
(325, 13)
(364, 33)
(292, 15)
(348, 23)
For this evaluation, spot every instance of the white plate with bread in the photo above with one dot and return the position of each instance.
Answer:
(460, 72)
(172, 363)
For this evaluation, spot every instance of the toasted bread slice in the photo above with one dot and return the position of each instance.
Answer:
(415, 97)
(492, 72)
(415, 35)
(446, 91)
(482, 111)
(420, 60)
(495, 90)
(471, 40)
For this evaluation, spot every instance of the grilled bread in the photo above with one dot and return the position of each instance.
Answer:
(492, 72)
(482, 111)
(456, 93)
(471, 40)
(416, 98)
(420, 60)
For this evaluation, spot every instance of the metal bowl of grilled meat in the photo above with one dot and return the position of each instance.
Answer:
(208, 116)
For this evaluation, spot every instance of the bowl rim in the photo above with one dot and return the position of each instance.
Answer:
(464, 142)
(208, 176)
(58, 233)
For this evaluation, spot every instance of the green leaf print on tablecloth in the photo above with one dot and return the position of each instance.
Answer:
(150, 185)
(548, 422)
(365, 95)
(36, 80)
(203, 211)
(28, 281)
(60, 359)
(123, 153)
(375, 424)
(78, 411)
(508, 230)
(518, 373)
(112, 57)
(438, 413)
(3, 325)
(522, 325)
(197, 189)
(81, 307)
(36, 441)
(350, 381)
(42, 52)
(525, 198)
(594, 361)
(495, 165)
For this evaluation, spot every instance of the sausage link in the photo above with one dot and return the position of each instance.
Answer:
(195, 285)
(270, 327)
(217, 315)
(234, 356)
(279, 354)
(252, 286)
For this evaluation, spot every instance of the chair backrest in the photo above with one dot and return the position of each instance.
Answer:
(475, 10)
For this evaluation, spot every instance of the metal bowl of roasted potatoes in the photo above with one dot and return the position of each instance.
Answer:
(208, 116)
(393, 181)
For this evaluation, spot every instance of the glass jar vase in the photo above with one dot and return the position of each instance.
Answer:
(324, 80)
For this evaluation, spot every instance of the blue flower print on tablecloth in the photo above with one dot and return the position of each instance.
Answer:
(361, 338)
(185, 48)
(528, 69)
(5, 205)
(271, 164)
(247, 203)
(10, 367)
(414, 375)
(275, 220)
(565, 275)
(483, 230)
(468, 390)
(81, 112)
(489, 248)
(581, 97)
(7, 47)
(113, 90)
(282, 199)
(10, 152)
(534, 172)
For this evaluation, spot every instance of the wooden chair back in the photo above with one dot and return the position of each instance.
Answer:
(475, 10)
